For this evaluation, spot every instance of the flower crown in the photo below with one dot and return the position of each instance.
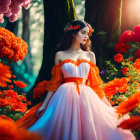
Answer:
(71, 27)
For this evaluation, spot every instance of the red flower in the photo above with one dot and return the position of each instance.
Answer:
(121, 47)
(19, 84)
(118, 57)
(130, 59)
(124, 70)
(28, 102)
(13, 76)
(71, 27)
(126, 36)
(10, 86)
(138, 54)
(136, 36)
(132, 123)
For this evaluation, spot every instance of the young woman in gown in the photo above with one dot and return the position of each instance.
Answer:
(75, 107)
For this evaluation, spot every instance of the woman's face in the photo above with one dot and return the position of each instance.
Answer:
(82, 35)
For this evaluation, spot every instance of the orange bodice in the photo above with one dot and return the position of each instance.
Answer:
(93, 80)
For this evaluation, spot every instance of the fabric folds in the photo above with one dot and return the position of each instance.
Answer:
(95, 81)
(56, 80)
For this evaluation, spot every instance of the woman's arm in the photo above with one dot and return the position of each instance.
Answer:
(43, 107)
(47, 99)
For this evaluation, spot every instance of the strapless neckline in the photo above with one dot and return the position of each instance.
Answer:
(76, 62)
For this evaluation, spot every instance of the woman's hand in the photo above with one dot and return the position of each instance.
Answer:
(40, 111)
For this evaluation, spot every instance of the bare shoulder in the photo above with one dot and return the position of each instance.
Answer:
(91, 53)
(92, 57)
(57, 57)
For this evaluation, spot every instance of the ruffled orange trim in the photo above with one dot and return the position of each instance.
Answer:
(95, 81)
(77, 63)
(56, 80)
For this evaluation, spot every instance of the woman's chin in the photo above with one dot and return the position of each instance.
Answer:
(83, 43)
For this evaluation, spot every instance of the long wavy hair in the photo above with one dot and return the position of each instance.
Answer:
(67, 38)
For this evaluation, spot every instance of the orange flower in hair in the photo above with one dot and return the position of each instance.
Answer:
(90, 30)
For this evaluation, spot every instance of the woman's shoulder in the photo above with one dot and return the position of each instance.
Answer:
(91, 53)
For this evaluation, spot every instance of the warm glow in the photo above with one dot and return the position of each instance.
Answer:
(134, 8)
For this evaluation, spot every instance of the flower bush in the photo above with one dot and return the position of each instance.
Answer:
(123, 92)
(13, 104)
(12, 47)
(12, 9)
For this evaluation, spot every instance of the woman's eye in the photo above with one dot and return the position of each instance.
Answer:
(83, 32)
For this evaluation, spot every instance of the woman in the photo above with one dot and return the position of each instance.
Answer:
(75, 107)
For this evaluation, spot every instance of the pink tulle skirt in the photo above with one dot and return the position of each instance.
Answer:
(70, 116)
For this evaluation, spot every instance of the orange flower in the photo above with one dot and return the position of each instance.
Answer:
(13, 76)
(130, 59)
(19, 84)
(124, 70)
(12, 47)
(9, 131)
(28, 102)
(5, 75)
(10, 86)
(6, 118)
(39, 89)
(26, 135)
(14, 101)
(137, 64)
(118, 57)
(132, 123)
(129, 104)
(116, 85)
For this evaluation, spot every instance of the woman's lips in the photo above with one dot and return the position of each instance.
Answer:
(84, 39)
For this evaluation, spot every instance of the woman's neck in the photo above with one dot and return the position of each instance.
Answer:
(75, 47)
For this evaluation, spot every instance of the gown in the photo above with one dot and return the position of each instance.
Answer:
(76, 111)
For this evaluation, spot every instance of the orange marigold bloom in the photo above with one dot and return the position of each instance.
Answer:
(12, 47)
(118, 57)
(6, 118)
(137, 64)
(9, 131)
(10, 86)
(13, 76)
(116, 85)
(129, 104)
(124, 70)
(5, 75)
(28, 102)
(39, 89)
(19, 84)
(132, 123)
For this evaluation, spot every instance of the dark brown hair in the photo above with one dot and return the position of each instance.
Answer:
(67, 38)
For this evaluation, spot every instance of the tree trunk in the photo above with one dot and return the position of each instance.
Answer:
(57, 14)
(26, 36)
(105, 18)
